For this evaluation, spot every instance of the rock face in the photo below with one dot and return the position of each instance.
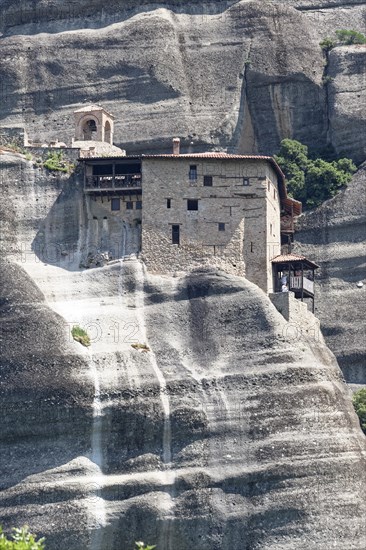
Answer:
(334, 237)
(225, 430)
(236, 75)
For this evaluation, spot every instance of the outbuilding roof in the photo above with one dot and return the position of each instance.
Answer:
(292, 258)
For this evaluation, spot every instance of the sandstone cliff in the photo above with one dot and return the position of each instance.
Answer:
(232, 431)
(237, 75)
(334, 236)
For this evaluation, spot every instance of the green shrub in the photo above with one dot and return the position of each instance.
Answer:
(346, 37)
(21, 539)
(141, 546)
(327, 44)
(56, 162)
(359, 403)
(80, 335)
(312, 181)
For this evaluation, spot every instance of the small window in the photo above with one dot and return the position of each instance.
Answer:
(192, 204)
(269, 186)
(270, 229)
(138, 205)
(246, 181)
(175, 234)
(115, 204)
(274, 193)
(221, 226)
(193, 172)
(207, 181)
(129, 205)
(169, 203)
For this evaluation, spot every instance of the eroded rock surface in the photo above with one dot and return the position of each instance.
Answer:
(237, 75)
(231, 430)
(334, 237)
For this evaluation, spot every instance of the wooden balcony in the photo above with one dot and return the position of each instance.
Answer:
(128, 183)
(307, 284)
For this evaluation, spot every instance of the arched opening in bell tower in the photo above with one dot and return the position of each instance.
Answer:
(108, 133)
(90, 130)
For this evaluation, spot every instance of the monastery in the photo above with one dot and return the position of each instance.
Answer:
(182, 211)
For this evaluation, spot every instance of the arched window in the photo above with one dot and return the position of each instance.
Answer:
(90, 130)
(107, 132)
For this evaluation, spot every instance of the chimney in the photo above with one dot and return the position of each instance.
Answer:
(176, 146)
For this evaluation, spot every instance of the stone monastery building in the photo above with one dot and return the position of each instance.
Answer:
(190, 210)
(182, 211)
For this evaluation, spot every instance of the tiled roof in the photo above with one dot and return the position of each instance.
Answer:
(220, 155)
(211, 154)
(288, 258)
(217, 155)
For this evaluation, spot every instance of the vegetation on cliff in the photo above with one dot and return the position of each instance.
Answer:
(21, 539)
(56, 162)
(80, 335)
(312, 181)
(359, 403)
(344, 38)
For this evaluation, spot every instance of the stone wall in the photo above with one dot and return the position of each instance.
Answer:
(301, 322)
(13, 136)
(242, 246)
(117, 232)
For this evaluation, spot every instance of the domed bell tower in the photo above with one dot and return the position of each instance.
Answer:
(93, 123)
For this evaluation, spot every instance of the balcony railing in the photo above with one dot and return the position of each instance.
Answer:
(120, 181)
(295, 283)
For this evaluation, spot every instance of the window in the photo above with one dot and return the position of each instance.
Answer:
(269, 186)
(129, 205)
(175, 234)
(169, 203)
(221, 226)
(207, 181)
(193, 172)
(270, 229)
(246, 181)
(274, 193)
(115, 204)
(138, 205)
(192, 204)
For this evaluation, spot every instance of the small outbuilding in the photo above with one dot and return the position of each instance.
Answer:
(295, 273)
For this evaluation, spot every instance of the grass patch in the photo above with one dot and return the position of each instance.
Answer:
(142, 347)
(80, 335)
(55, 162)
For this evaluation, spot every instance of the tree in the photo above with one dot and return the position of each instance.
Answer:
(359, 403)
(312, 181)
(21, 539)
(347, 38)
(327, 44)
